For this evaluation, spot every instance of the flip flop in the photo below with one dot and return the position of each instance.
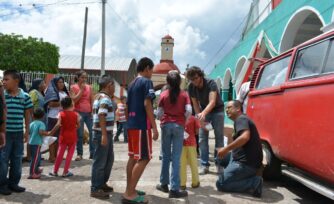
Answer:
(137, 200)
(141, 193)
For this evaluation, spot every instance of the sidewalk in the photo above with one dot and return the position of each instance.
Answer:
(76, 189)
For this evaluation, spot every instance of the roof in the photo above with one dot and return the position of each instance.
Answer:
(94, 63)
(168, 37)
(164, 67)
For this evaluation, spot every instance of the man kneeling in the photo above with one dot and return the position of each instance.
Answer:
(240, 174)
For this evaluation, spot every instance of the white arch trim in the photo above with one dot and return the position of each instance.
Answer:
(227, 78)
(219, 82)
(239, 65)
(302, 9)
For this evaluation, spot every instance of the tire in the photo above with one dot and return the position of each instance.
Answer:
(272, 170)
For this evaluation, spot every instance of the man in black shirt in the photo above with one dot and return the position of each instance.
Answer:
(209, 108)
(240, 174)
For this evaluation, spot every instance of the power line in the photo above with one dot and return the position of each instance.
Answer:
(133, 33)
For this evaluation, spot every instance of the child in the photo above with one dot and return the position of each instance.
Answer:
(103, 123)
(18, 111)
(140, 124)
(189, 153)
(37, 130)
(121, 112)
(68, 121)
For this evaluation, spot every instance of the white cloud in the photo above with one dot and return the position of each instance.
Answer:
(198, 27)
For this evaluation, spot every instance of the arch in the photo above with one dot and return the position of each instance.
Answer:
(219, 83)
(227, 79)
(239, 66)
(303, 25)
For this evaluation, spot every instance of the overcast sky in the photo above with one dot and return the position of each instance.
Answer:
(134, 28)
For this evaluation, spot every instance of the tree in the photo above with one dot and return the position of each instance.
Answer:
(28, 54)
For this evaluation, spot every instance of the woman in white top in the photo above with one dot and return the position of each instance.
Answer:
(55, 92)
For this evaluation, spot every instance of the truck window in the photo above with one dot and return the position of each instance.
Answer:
(329, 66)
(309, 60)
(274, 74)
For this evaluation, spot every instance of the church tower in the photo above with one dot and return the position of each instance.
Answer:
(167, 44)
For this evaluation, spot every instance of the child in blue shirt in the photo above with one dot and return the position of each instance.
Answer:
(37, 131)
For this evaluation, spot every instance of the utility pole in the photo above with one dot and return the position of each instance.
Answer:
(103, 37)
(84, 41)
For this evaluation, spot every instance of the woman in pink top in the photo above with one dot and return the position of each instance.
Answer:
(82, 96)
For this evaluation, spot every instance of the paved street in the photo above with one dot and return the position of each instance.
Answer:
(76, 189)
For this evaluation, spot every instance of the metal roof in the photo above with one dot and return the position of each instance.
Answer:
(94, 63)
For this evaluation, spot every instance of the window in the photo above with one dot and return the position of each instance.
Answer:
(274, 74)
(329, 65)
(309, 60)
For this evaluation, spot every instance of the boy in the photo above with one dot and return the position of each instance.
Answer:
(140, 122)
(121, 112)
(103, 124)
(19, 107)
(37, 130)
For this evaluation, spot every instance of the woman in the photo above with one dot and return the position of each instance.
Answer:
(173, 109)
(36, 93)
(55, 92)
(82, 96)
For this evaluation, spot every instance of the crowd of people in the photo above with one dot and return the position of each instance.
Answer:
(56, 111)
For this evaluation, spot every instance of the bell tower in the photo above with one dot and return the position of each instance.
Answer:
(167, 44)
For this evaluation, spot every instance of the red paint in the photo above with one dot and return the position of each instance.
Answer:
(296, 118)
(275, 3)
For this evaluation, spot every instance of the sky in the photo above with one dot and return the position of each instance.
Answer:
(134, 28)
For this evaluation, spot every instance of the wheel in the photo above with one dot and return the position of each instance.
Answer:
(272, 169)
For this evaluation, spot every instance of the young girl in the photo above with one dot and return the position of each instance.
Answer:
(68, 121)
(189, 153)
(173, 109)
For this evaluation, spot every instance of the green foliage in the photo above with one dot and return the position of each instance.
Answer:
(28, 54)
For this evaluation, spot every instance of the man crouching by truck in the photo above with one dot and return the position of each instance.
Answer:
(240, 174)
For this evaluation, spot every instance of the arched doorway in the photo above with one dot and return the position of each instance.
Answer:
(227, 86)
(302, 26)
(238, 68)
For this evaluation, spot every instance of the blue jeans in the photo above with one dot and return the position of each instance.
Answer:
(171, 146)
(103, 160)
(13, 153)
(35, 161)
(86, 118)
(238, 177)
(122, 126)
(3, 168)
(217, 121)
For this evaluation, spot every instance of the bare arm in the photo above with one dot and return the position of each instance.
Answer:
(195, 105)
(239, 142)
(27, 116)
(54, 104)
(103, 125)
(56, 127)
(76, 96)
(150, 115)
(212, 102)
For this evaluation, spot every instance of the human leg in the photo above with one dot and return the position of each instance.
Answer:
(177, 144)
(69, 156)
(192, 158)
(183, 168)
(59, 158)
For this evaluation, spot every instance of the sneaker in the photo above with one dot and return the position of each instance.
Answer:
(203, 170)
(5, 191)
(258, 190)
(116, 139)
(163, 188)
(17, 189)
(177, 194)
(107, 189)
(196, 185)
(100, 194)
(78, 158)
(68, 174)
(55, 174)
(34, 176)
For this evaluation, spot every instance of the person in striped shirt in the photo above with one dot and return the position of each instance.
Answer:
(103, 124)
(19, 107)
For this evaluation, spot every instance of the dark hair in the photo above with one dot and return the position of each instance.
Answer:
(174, 81)
(13, 73)
(78, 75)
(66, 102)
(38, 113)
(104, 81)
(193, 71)
(143, 63)
(237, 104)
(35, 84)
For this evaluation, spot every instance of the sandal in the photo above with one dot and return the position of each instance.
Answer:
(68, 174)
(140, 193)
(137, 200)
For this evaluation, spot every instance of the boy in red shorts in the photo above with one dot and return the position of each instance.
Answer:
(140, 122)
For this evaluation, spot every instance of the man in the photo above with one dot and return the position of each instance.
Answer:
(103, 124)
(209, 108)
(240, 174)
(141, 125)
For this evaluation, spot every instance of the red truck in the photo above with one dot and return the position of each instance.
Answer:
(291, 100)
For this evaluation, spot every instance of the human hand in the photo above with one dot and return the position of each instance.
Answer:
(104, 140)
(201, 116)
(155, 134)
(26, 136)
(2, 140)
(221, 152)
